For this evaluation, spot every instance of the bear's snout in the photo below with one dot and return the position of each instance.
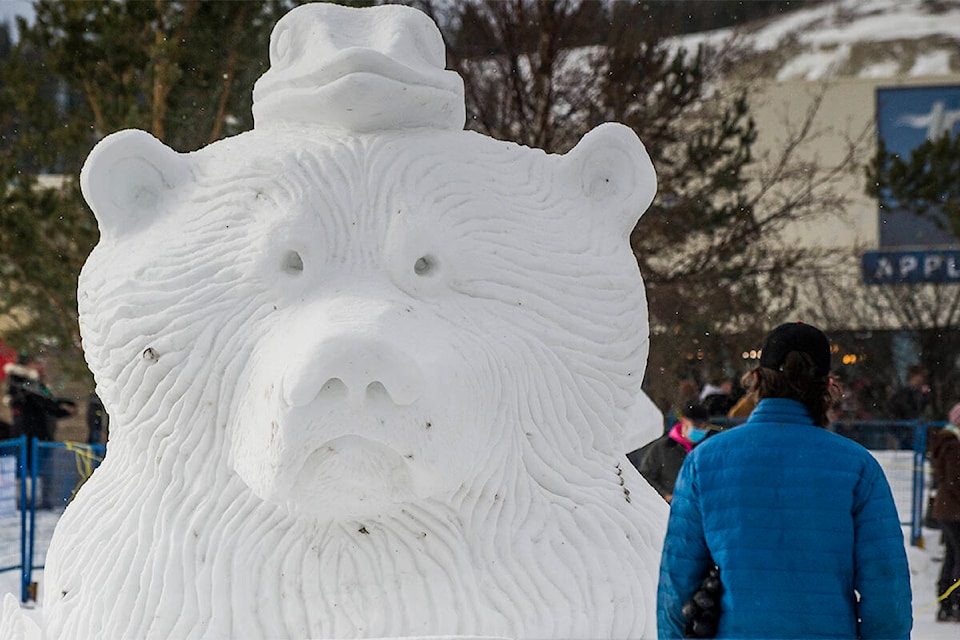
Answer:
(362, 371)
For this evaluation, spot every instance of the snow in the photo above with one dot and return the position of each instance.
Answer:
(897, 22)
(368, 374)
(825, 36)
(924, 559)
(880, 70)
(814, 65)
(399, 81)
(931, 63)
(924, 570)
(11, 9)
(44, 523)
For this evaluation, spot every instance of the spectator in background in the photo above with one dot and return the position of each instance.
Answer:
(659, 461)
(854, 392)
(33, 406)
(800, 521)
(718, 399)
(687, 394)
(945, 460)
(744, 406)
(842, 406)
(98, 422)
(35, 411)
(913, 400)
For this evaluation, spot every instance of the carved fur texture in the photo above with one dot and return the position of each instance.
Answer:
(362, 386)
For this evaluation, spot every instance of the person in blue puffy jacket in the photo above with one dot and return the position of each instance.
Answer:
(800, 521)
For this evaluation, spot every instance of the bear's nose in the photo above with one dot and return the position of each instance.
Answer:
(363, 371)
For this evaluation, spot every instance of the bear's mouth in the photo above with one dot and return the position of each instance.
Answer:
(351, 475)
(359, 453)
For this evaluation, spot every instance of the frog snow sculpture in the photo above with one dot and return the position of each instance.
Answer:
(368, 374)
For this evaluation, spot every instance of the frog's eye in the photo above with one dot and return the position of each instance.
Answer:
(281, 46)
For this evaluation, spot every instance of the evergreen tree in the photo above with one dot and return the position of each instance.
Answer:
(924, 184)
(182, 70)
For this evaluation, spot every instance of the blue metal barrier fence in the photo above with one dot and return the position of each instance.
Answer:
(37, 481)
(13, 505)
(57, 471)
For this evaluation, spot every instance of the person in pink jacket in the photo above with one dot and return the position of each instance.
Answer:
(659, 461)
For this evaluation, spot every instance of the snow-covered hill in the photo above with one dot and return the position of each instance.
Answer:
(852, 38)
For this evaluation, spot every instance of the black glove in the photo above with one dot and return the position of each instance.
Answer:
(702, 611)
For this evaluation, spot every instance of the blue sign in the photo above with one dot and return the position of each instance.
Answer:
(910, 267)
(906, 117)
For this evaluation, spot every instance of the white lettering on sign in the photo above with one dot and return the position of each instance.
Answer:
(916, 267)
(884, 269)
(953, 269)
(908, 264)
(931, 264)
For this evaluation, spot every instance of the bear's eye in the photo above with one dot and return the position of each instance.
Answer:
(425, 265)
(292, 263)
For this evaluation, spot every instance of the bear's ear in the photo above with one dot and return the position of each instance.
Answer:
(125, 176)
(611, 168)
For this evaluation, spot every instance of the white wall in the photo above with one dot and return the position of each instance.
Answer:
(848, 110)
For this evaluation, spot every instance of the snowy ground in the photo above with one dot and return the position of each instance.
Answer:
(924, 567)
(924, 563)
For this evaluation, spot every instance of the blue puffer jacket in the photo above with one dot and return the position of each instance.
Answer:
(798, 519)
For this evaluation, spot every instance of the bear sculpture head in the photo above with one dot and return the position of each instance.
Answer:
(366, 377)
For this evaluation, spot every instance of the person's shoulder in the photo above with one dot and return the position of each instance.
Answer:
(653, 444)
(842, 453)
(748, 433)
(943, 441)
(826, 440)
(662, 442)
(722, 441)
(835, 439)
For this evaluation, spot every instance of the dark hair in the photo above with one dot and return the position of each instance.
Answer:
(696, 412)
(797, 381)
(916, 370)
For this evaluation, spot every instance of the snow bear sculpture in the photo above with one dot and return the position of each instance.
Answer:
(368, 373)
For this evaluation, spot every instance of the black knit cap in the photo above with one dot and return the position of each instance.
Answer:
(796, 336)
(696, 412)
